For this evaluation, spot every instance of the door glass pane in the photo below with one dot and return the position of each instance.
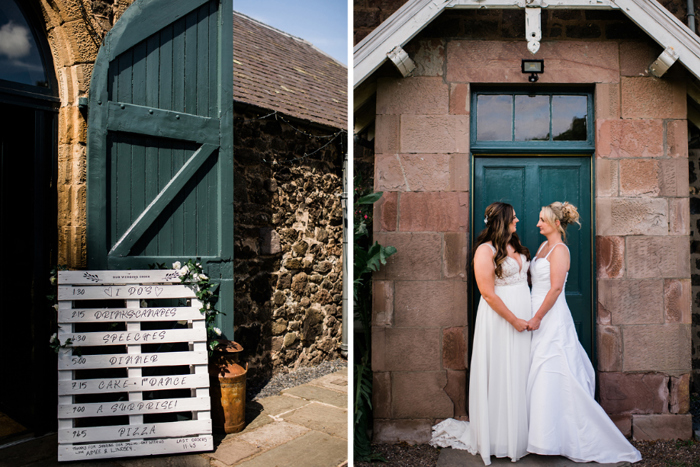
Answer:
(494, 121)
(531, 118)
(19, 55)
(569, 114)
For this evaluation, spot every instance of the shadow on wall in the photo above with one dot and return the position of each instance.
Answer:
(288, 243)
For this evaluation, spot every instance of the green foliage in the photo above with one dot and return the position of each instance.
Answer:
(368, 258)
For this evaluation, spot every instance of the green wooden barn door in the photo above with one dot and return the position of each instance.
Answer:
(160, 141)
(528, 183)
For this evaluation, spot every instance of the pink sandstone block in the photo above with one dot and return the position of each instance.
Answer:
(419, 394)
(639, 177)
(386, 212)
(454, 261)
(631, 216)
(567, 61)
(405, 349)
(629, 138)
(623, 423)
(429, 57)
(679, 216)
(382, 303)
(381, 394)
(433, 212)
(386, 140)
(388, 173)
(658, 257)
(421, 172)
(456, 382)
(632, 301)
(649, 97)
(454, 348)
(415, 96)
(609, 348)
(677, 138)
(680, 394)
(430, 304)
(673, 177)
(607, 101)
(623, 393)
(636, 56)
(396, 431)
(426, 172)
(459, 172)
(663, 347)
(610, 257)
(417, 257)
(430, 134)
(677, 301)
(607, 178)
(459, 99)
(662, 426)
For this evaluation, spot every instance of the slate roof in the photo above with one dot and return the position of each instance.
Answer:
(277, 71)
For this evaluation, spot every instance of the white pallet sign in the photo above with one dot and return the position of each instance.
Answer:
(127, 289)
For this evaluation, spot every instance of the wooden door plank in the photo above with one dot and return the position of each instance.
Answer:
(74, 362)
(123, 292)
(126, 432)
(119, 315)
(100, 409)
(146, 447)
(156, 336)
(144, 383)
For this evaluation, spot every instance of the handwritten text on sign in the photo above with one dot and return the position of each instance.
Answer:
(121, 295)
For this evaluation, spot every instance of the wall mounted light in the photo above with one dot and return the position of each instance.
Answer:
(533, 67)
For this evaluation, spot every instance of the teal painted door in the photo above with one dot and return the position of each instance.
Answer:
(160, 141)
(528, 183)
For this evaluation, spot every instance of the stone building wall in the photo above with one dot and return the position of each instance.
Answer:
(642, 218)
(288, 243)
(694, 168)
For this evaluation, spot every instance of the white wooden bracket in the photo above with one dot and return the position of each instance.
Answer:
(661, 65)
(533, 25)
(402, 61)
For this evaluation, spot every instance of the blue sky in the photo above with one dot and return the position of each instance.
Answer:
(324, 23)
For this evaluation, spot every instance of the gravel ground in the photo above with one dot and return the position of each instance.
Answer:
(654, 453)
(294, 378)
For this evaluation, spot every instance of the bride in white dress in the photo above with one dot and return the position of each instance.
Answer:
(501, 350)
(564, 417)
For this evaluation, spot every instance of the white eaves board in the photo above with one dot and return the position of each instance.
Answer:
(119, 296)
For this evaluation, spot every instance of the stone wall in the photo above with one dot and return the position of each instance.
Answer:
(288, 243)
(642, 217)
(694, 168)
(75, 29)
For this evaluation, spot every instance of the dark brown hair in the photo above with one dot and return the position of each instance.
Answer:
(498, 216)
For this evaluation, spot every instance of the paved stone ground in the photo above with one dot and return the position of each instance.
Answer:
(456, 458)
(305, 426)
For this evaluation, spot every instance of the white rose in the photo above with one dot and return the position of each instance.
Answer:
(55, 307)
(208, 306)
(54, 337)
(195, 277)
(203, 277)
(177, 265)
(183, 271)
(217, 331)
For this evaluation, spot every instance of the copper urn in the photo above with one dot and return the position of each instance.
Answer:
(227, 388)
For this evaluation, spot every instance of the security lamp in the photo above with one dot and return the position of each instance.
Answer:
(533, 67)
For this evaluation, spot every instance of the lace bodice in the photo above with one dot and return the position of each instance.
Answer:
(512, 272)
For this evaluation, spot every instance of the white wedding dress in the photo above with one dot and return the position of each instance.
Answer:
(564, 417)
(498, 376)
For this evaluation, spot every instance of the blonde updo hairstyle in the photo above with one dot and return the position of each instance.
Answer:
(566, 213)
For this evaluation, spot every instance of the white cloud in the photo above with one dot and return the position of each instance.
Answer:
(14, 40)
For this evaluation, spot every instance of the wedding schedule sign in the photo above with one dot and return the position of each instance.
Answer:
(134, 380)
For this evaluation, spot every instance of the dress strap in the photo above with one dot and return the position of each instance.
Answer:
(493, 248)
(541, 246)
(552, 249)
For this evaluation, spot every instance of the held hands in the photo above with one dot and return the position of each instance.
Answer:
(521, 325)
(534, 324)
